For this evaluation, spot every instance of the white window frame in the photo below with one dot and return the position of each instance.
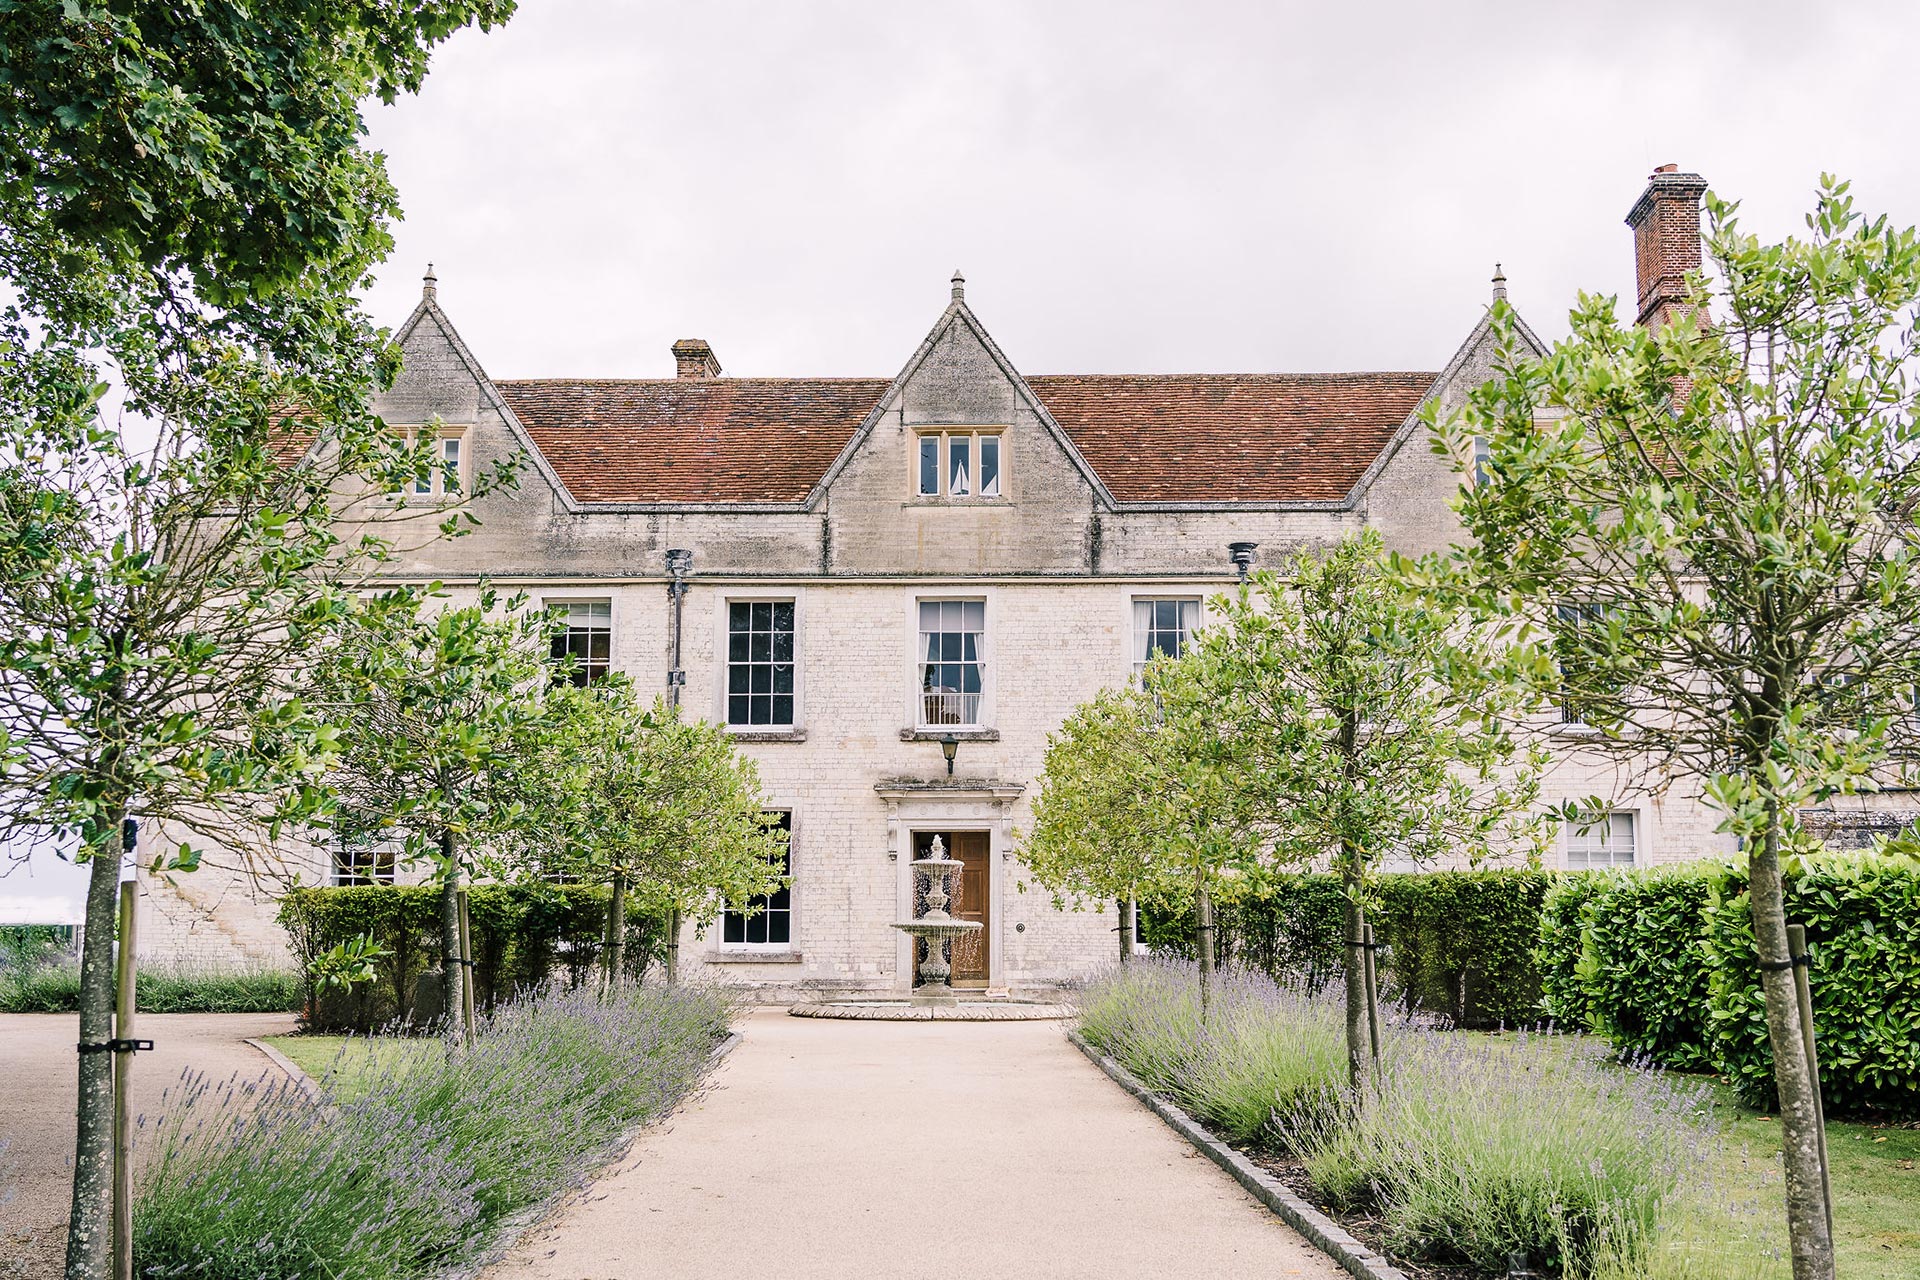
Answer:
(570, 603)
(983, 706)
(1138, 640)
(724, 632)
(944, 438)
(793, 936)
(435, 484)
(1602, 839)
(376, 850)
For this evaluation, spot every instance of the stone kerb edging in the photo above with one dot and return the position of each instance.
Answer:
(301, 1080)
(1323, 1232)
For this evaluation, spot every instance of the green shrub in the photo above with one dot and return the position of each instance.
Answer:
(413, 1170)
(162, 988)
(26, 947)
(1641, 967)
(523, 935)
(1460, 943)
(1563, 924)
(1862, 916)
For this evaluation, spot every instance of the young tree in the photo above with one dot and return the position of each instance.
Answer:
(1361, 720)
(1135, 805)
(434, 705)
(1727, 506)
(185, 205)
(662, 808)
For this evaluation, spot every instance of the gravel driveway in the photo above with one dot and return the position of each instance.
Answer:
(36, 1110)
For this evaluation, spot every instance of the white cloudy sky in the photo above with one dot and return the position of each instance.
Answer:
(1154, 187)
(1206, 185)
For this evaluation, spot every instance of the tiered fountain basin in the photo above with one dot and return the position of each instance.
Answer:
(934, 1000)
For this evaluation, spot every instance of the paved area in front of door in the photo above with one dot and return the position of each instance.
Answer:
(911, 1149)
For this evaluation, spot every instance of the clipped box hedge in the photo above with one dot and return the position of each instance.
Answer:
(1459, 943)
(522, 934)
(1664, 963)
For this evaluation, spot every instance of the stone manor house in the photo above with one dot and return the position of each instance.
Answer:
(882, 575)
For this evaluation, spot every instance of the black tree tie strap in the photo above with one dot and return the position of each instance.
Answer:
(1775, 966)
(115, 1046)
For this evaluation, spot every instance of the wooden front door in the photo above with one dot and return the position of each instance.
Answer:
(971, 900)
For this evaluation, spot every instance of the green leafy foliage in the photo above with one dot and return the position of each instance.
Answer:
(1461, 944)
(1563, 923)
(1862, 916)
(668, 805)
(524, 935)
(160, 988)
(1641, 966)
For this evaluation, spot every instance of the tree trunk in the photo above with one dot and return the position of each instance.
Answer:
(1203, 927)
(90, 1224)
(673, 945)
(1811, 1241)
(1125, 910)
(616, 932)
(1359, 1046)
(453, 985)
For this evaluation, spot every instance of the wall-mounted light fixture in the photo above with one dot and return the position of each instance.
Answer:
(1241, 553)
(949, 747)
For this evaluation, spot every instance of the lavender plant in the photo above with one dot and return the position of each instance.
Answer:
(1476, 1150)
(428, 1152)
(1263, 1052)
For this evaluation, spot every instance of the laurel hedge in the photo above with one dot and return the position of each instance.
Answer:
(523, 935)
(1664, 964)
(1462, 944)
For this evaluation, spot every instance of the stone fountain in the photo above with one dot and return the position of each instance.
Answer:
(935, 927)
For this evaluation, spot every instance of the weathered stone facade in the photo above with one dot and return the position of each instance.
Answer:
(1058, 560)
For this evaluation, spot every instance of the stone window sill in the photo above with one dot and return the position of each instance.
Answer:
(933, 733)
(748, 733)
(754, 957)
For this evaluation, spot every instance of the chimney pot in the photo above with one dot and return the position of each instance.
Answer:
(1666, 243)
(693, 358)
(959, 283)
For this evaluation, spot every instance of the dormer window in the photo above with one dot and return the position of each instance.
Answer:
(952, 463)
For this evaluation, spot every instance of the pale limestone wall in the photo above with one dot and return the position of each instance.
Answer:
(1055, 563)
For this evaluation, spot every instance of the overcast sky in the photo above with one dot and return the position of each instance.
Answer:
(1129, 187)
(1197, 186)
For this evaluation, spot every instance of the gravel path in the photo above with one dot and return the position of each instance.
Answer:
(834, 1149)
(36, 1110)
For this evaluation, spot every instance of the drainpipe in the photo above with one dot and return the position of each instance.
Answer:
(679, 564)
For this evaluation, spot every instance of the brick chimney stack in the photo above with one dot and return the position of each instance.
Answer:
(693, 358)
(1666, 242)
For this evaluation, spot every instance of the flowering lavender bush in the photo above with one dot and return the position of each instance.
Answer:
(1266, 1052)
(1479, 1150)
(410, 1170)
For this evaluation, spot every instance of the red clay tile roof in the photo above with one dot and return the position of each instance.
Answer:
(1150, 438)
(692, 439)
(1281, 437)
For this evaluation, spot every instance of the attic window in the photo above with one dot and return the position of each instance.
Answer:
(958, 464)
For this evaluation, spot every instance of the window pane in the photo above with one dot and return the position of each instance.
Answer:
(989, 466)
(929, 464)
(782, 677)
(783, 616)
(958, 471)
(782, 709)
(739, 616)
(735, 928)
(737, 710)
(777, 927)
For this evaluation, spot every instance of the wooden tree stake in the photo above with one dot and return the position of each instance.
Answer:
(122, 1091)
(1797, 954)
(466, 968)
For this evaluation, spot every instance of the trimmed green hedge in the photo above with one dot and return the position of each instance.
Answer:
(523, 935)
(1664, 963)
(160, 989)
(1640, 965)
(1460, 943)
(1862, 915)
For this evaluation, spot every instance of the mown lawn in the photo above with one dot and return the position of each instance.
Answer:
(346, 1063)
(1734, 1227)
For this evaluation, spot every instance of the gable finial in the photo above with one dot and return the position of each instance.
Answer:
(959, 286)
(429, 285)
(1499, 284)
